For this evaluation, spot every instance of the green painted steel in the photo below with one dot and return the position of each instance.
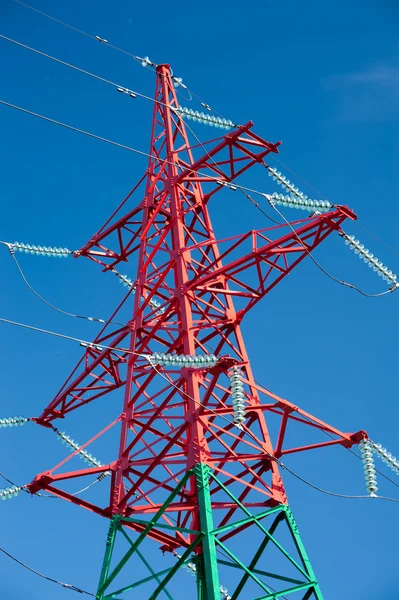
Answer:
(302, 552)
(109, 547)
(204, 546)
(263, 529)
(256, 558)
(208, 575)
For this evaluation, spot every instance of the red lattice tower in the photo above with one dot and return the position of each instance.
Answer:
(186, 477)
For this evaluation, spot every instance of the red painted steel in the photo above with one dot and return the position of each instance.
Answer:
(173, 418)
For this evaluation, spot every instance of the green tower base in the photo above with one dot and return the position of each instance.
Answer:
(210, 558)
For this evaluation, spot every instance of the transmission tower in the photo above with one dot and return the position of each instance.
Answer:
(197, 472)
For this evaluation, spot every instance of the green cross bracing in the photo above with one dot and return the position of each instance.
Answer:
(278, 567)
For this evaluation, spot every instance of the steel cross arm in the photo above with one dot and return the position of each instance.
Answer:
(95, 250)
(70, 397)
(221, 164)
(279, 256)
(291, 413)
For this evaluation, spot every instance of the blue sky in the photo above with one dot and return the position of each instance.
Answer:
(324, 79)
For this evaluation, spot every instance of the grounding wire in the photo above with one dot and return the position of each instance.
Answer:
(117, 48)
(68, 586)
(149, 155)
(64, 312)
(113, 143)
(158, 102)
(325, 198)
(198, 140)
(62, 22)
(341, 282)
(319, 266)
(247, 195)
(80, 70)
(89, 35)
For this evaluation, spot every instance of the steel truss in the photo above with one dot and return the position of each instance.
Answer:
(185, 476)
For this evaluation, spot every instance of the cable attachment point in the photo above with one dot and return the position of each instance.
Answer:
(145, 62)
(13, 421)
(178, 82)
(100, 39)
(372, 261)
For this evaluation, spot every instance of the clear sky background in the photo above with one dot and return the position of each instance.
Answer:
(321, 77)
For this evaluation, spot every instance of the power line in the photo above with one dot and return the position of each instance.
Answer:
(64, 312)
(92, 135)
(8, 480)
(80, 70)
(109, 141)
(109, 45)
(242, 188)
(246, 431)
(256, 204)
(293, 230)
(68, 586)
(325, 198)
(350, 450)
(319, 266)
(61, 22)
(69, 337)
(379, 239)
(113, 143)
(157, 102)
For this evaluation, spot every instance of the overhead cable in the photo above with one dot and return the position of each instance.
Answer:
(66, 64)
(68, 586)
(69, 337)
(283, 466)
(205, 105)
(123, 146)
(105, 42)
(319, 266)
(64, 312)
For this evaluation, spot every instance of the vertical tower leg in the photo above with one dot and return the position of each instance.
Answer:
(109, 547)
(315, 592)
(207, 570)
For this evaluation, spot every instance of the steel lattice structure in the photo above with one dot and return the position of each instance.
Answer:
(185, 477)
